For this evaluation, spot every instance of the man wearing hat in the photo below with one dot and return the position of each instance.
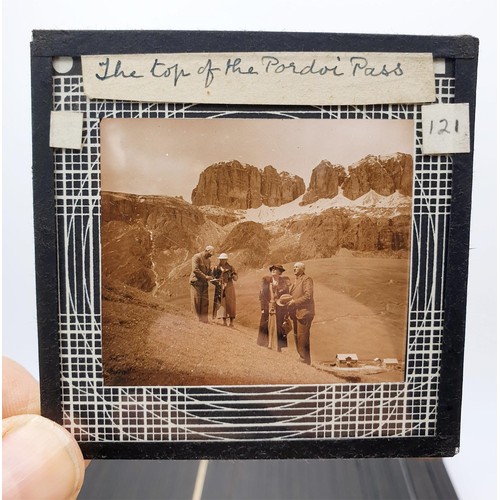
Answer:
(302, 310)
(198, 280)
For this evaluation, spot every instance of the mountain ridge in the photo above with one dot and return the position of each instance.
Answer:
(234, 185)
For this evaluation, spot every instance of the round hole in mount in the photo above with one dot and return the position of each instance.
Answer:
(62, 64)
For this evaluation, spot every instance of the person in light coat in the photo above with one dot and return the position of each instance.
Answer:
(302, 310)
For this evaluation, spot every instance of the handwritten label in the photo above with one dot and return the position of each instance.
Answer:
(262, 78)
(66, 130)
(445, 129)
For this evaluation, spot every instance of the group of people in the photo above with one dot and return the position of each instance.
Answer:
(222, 277)
(286, 305)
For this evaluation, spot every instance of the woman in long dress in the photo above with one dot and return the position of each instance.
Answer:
(225, 295)
(273, 311)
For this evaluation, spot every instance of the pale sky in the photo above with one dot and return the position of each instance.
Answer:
(166, 156)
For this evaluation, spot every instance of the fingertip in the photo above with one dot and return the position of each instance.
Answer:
(40, 459)
(20, 390)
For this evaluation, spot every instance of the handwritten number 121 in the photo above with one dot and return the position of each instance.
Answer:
(442, 127)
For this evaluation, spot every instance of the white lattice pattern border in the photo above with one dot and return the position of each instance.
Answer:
(94, 412)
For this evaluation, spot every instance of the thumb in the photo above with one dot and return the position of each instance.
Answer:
(40, 459)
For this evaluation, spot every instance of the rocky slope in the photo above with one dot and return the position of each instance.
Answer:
(323, 235)
(149, 342)
(146, 240)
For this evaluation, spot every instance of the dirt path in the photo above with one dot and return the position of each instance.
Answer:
(165, 348)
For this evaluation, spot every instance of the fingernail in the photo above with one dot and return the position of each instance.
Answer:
(40, 460)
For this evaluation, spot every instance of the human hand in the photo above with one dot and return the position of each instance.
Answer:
(40, 458)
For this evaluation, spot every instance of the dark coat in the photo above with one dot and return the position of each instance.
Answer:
(198, 279)
(224, 289)
(265, 298)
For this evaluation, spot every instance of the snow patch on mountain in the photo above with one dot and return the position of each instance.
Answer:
(370, 200)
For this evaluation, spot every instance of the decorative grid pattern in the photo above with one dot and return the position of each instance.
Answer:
(94, 412)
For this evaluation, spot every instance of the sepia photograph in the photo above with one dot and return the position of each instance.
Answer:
(255, 251)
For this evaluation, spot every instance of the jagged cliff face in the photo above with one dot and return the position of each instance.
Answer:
(325, 181)
(237, 186)
(384, 175)
(280, 188)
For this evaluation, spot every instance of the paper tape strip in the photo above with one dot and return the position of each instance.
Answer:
(66, 129)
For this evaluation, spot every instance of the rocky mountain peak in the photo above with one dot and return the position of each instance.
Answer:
(234, 185)
(382, 174)
(325, 181)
